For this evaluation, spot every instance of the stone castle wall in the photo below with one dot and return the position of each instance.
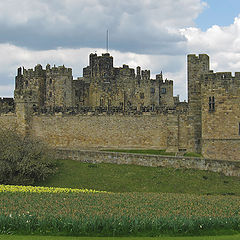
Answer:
(116, 131)
(221, 116)
(228, 168)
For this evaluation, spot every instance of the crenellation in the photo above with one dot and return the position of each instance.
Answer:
(122, 107)
(224, 80)
(145, 74)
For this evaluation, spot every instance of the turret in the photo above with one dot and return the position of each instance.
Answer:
(197, 65)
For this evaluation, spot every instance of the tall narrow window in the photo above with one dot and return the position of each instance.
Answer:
(211, 104)
(239, 129)
(101, 102)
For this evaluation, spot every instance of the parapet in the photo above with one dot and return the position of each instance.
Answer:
(104, 60)
(36, 72)
(60, 70)
(145, 74)
(166, 82)
(200, 57)
(126, 71)
(8, 101)
(221, 79)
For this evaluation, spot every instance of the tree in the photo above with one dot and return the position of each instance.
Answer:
(24, 160)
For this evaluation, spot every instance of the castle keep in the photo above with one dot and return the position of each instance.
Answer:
(110, 107)
(102, 88)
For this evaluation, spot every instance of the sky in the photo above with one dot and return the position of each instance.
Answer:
(154, 34)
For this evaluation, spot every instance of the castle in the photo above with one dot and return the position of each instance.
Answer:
(102, 88)
(113, 107)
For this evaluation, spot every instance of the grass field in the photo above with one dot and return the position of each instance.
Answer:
(5, 237)
(144, 201)
(118, 214)
(131, 178)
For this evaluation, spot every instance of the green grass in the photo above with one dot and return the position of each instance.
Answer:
(141, 151)
(118, 214)
(6, 237)
(132, 178)
(192, 154)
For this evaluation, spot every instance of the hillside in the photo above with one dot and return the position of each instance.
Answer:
(131, 178)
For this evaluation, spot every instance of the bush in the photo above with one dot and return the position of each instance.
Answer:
(24, 160)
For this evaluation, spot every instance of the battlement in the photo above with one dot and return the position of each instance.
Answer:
(197, 58)
(60, 70)
(125, 70)
(145, 74)
(100, 62)
(8, 101)
(221, 79)
(226, 77)
(166, 82)
(38, 71)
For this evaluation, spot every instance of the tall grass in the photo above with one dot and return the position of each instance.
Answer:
(111, 214)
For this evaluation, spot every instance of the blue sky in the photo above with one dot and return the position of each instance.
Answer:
(218, 12)
(153, 34)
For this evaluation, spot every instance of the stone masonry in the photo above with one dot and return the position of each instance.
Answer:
(118, 107)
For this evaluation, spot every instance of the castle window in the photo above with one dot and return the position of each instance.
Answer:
(163, 90)
(141, 95)
(152, 90)
(101, 102)
(50, 81)
(109, 102)
(152, 107)
(211, 104)
(50, 94)
(239, 129)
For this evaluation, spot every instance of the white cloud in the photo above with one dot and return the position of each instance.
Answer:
(222, 44)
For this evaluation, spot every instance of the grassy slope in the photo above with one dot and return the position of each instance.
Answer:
(5, 237)
(151, 151)
(131, 178)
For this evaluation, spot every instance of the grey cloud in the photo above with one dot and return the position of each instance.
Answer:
(140, 26)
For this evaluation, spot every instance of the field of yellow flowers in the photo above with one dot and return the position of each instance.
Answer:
(91, 213)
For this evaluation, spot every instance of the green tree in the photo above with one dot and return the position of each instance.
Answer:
(24, 160)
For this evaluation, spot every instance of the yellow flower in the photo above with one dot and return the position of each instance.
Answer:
(14, 188)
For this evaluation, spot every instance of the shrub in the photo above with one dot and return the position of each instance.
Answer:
(24, 160)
